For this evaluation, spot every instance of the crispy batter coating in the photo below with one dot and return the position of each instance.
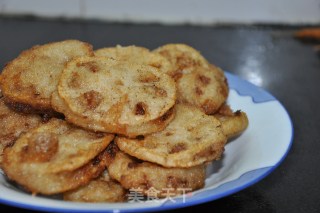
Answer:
(138, 55)
(43, 182)
(198, 82)
(102, 189)
(192, 138)
(46, 159)
(134, 174)
(183, 58)
(28, 81)
(13, 124)
(115, 96)
(233, 123)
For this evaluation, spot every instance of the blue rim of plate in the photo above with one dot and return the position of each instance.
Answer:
(243, 88)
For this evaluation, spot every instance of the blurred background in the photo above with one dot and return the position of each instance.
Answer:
(200, 12)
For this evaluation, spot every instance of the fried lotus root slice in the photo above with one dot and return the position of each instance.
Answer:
(134, 174)
(198, 82)
(102, 189)
(182, 57)
(205, 88)
(135, 54)
(13, 124)
(28, 81)
(191, 139)
(115, 96)
(233, 123)
(50, 149)
(43, 182)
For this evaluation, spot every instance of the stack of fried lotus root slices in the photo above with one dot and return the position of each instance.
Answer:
(93, 125)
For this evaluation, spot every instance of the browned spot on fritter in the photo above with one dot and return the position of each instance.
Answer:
(91, 65)
(119, 82)
(164, 117)
(174, 182)
(132, 165)
(149, 78)
(169, 133)
(92, 99)
(204, 80)
(177, 75)
(184, 61)
(198, 91)
(160, 92)
(140, 109)
(178, 148)
(156, 65)
(112, 150)
(209, 107)
(75, 80)
(41, 147)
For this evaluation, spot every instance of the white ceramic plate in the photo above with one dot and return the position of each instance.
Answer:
(247, 159)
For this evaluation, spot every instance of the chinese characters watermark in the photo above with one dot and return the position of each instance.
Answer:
(154, 195)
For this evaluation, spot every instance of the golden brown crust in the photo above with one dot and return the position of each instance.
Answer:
(127, 99)
(182, 57)
(138, 175)
(191, 139)
(102, 189)
(233, 123)
(51, 183)
(13, 124)
(46, 159)
(198, 82)
(30, 79)
(136, 54)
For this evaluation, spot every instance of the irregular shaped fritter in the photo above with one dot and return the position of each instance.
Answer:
(44, 182)
(28, 81)
(1, 154)
(13, 124)
(192, 138)
(134, 174)
(138, 55)
(107, 95)
(233, 123)
(198, 82)
(102, 189)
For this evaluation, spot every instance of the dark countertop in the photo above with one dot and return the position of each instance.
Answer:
(268, 56)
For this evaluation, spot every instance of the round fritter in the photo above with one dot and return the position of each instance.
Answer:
(115, 96)
(191, 139)
(28, 81)
(203, 88)
(233, 123)
(43, 182)
(182, 57)
(102, 189)
(148, 178)
(13, 124)
(57, 146)
(134, 54)
(198, 82)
